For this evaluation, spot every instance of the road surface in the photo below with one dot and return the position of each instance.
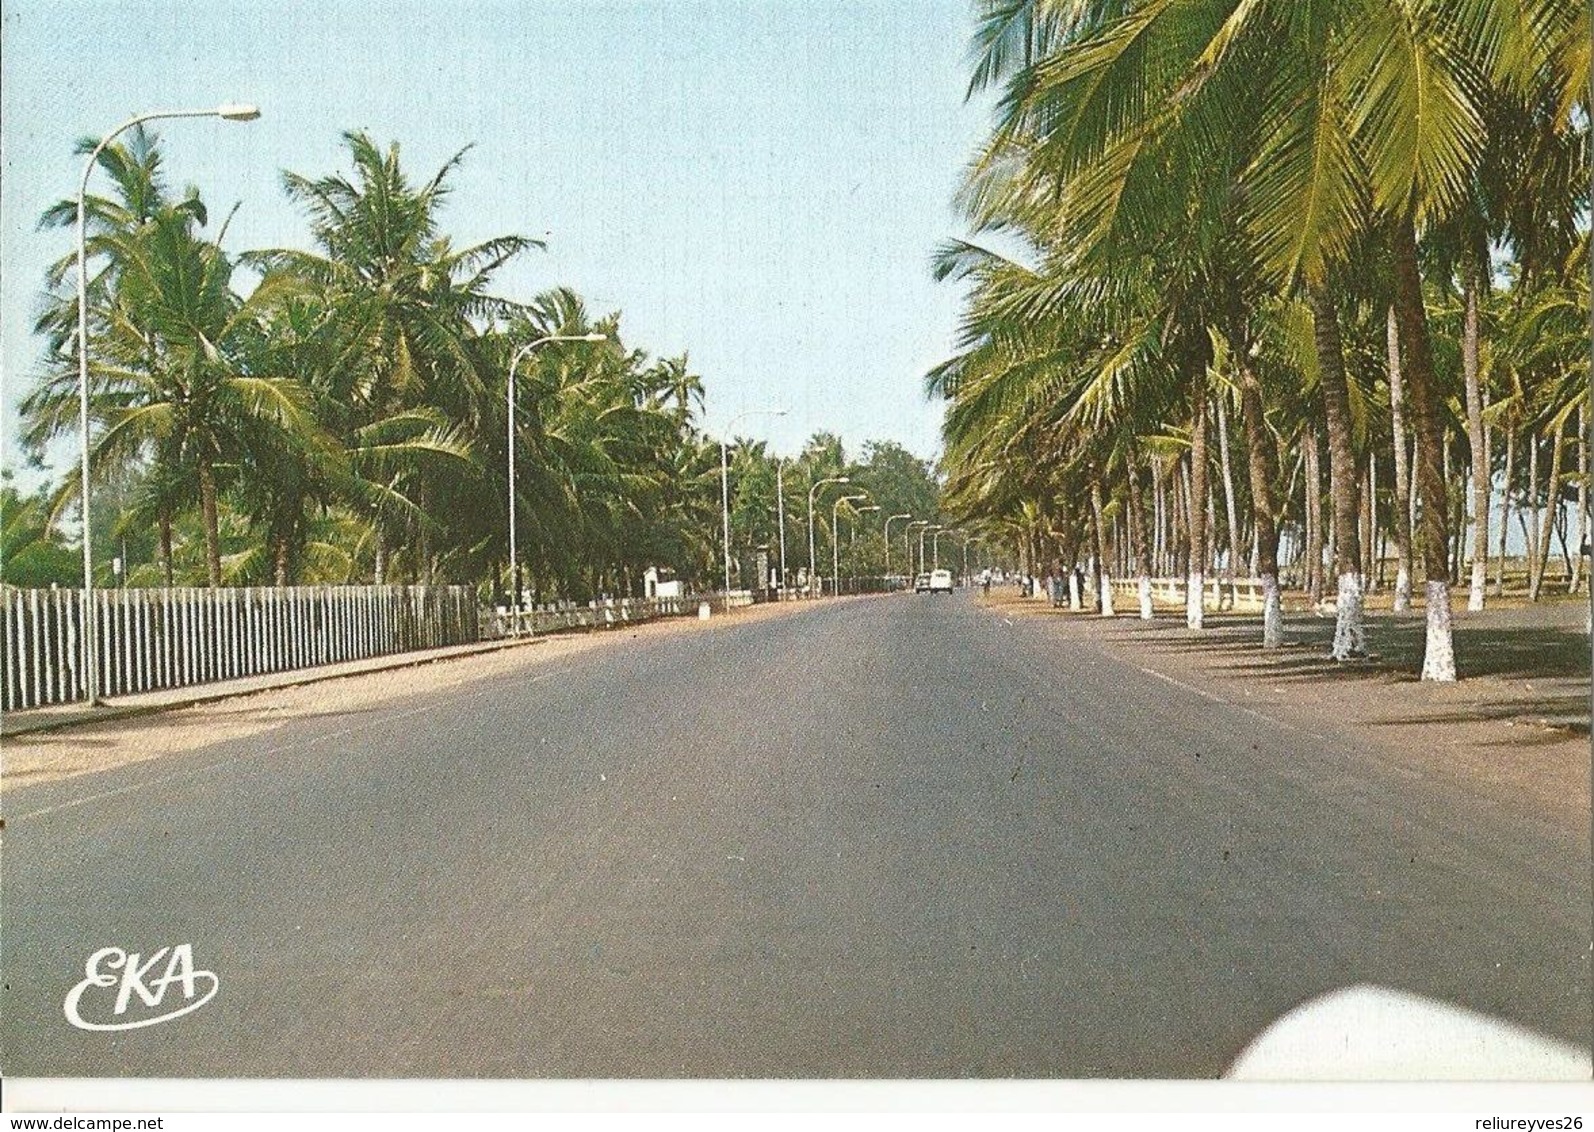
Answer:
(891, 837)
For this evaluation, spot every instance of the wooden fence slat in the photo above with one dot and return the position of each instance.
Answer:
(173, 637)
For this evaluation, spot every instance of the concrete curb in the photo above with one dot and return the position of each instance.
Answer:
(81, 716)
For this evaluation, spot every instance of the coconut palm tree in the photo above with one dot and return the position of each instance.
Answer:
(407, 304)
(1326, 118)
(169, 379)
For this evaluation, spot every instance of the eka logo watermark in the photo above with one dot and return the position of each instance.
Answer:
(112, 967)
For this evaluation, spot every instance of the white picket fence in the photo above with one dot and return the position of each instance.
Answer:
(608, 613)
(1216, 594)
(169, 638)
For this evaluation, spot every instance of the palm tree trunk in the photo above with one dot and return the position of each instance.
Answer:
(1439, 658)
(1458, 516)
(1475, 438)
(1313, 484)
(1195, 579)
(1370, 564)
(1142, 544)
(165, 521)
(207, 504)
(1582, 498)
(1529, 516)
(1210, 566)
(1259, 463)
(1562, 522)
(1552, 507)
(379, 569)
(1103, 577)
(280, 553)
(1157, 516)
(1179, 521)
(1228, 498)
(1350, 636)
(1505, 507)
(1403, 483)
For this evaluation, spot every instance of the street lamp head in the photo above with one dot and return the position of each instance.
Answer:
(238, 112)
(594, 338)
(870, 508)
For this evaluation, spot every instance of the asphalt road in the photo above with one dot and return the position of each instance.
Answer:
(895, 837)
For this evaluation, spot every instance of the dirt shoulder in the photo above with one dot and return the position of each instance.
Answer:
(1516, 722)
(90, 748)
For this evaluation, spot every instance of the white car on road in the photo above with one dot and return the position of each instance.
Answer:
(940, 581)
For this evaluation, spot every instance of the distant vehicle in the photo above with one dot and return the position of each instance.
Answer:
(940, 581)
(921, 584)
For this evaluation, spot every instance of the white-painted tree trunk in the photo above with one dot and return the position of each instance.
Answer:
(1372, 567)
(1272, 613)
(1474, 281)
(1145, 598)
(1505, 509)
(1582, 498)
(1106, 594)
(1405, 484)
(1073, 592)
(1194, 605)
(1439, 658)
(1350, 632)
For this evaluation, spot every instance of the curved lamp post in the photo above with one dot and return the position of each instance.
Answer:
(780, 521)
(926, 529)
(811, 490)
(725, 484)
(907, 547)
(889, 520)
(854, 541)
(935, 547)
(835, 541)
(231, 112)
(509, 397)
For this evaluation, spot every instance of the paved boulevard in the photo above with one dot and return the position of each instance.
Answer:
(889, 837)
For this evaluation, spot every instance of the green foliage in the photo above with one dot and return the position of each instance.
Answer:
(349, 418)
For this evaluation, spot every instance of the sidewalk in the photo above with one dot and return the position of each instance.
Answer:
(57, 716)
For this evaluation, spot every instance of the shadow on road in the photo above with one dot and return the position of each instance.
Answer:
(1535, 647)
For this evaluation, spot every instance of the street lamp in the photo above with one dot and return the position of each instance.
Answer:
(926, 529)
(811, 490)
(780, 519)
(852, 539)
(228, 111)
(509, 400)
(889, 520)
(725, 483)
(907, 546)
(835, 541)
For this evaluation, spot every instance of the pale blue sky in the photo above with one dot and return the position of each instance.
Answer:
(761, 184)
